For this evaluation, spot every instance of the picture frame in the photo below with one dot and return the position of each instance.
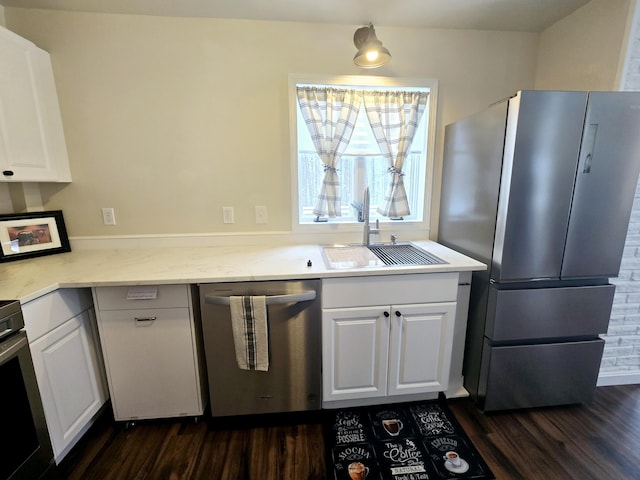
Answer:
(33, 234)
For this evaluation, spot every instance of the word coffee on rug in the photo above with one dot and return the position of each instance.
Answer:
(416, 441)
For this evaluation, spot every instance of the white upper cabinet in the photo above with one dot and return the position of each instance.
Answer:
(32, 145)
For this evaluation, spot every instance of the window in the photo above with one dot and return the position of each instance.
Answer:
(362, 163)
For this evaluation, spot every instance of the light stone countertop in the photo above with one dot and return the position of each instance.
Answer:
(26, 280)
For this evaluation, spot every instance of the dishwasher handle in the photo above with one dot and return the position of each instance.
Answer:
(270, 299)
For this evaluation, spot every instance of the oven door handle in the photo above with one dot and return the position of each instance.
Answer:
(12, 345)
(270, 299)
(6, 332)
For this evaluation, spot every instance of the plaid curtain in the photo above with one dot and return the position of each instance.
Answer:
(330, 115)
(394, 117)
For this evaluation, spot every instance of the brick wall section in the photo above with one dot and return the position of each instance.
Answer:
(622, 348)
(632, 78)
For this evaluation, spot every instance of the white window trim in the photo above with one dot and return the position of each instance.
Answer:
(423, 226)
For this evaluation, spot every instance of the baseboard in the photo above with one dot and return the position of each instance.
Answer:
(609, 379)
(366, 402)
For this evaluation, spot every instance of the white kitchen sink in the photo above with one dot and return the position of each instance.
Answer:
(377, 255)
(350, 256)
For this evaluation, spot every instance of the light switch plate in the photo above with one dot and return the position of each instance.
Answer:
(261, 214)
(108, 216)
(227, 215)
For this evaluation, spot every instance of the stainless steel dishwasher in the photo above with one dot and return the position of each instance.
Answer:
(293, 381)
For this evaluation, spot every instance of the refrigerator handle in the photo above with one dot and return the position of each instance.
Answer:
(589, 143)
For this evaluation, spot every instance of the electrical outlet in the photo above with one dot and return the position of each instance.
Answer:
(227, 215)
(108, 216)
(261, 214)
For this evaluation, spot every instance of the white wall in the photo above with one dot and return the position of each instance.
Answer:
(169, 119)
(582, 51)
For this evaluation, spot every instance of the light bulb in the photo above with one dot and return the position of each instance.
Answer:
(372, 55)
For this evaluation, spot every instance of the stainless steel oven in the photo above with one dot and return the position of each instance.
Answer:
(25, 448)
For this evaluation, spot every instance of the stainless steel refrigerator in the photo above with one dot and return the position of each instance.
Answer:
(540, 188)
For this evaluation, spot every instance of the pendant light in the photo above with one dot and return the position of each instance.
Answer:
(371, 53)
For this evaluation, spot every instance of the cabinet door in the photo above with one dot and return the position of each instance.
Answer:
(151, 363)
(32, 146)
(420, 347)
(71, 380)
(354, 352)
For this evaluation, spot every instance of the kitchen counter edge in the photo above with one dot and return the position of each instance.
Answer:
(26, 280)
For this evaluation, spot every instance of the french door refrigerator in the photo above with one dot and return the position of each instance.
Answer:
(540, 187)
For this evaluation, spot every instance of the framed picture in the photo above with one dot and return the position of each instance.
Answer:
(27, 235)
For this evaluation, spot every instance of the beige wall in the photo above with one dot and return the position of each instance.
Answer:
(583, 51)
(169, 119)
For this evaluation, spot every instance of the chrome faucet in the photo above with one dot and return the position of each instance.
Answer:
(366, 237)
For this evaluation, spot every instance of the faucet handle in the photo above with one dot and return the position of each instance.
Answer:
(393, 239)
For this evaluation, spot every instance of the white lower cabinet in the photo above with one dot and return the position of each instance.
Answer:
(374, 350)
(68, 364)
(151, 352)
(355, 347)
(420, 348)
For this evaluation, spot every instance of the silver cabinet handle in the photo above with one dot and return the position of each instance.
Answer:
(270, 299)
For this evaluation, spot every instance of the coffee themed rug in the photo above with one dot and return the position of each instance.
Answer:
(416, 441)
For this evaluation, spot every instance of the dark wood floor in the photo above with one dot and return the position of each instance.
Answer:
(600, 441)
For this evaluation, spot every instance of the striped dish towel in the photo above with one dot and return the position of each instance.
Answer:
(250, 334)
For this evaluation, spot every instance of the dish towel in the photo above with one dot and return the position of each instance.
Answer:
(250, 332)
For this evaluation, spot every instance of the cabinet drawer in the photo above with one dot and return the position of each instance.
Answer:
(389, 289)
(134, 297)
(52, 310)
